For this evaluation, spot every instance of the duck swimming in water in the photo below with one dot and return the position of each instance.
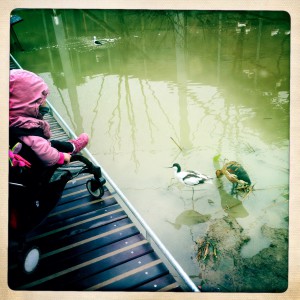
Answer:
(96, 42)
(235, 173)
(104, 41)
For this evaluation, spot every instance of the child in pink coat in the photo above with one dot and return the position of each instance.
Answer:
(27, 98)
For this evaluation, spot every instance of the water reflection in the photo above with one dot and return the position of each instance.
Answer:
(231, 204)
(179, 33)
(174, 85)
(189, 218)
(68, 73)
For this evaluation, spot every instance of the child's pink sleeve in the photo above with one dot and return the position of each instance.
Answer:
(43, 149)
(61, 159)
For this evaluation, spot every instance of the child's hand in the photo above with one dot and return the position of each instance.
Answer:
(67, 158)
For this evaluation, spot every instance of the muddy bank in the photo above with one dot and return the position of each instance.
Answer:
(225, 270)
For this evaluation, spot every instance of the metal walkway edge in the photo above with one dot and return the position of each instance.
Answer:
(92, 244)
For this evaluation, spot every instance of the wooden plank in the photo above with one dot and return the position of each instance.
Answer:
(75, 193)
(79, 192)
(174, 287)
(115, 231)
(128, 280)
(71, 272)
(79, 208)
(57, 131)
(78, 246)
(99, 238)
(82, 225)
(79, 180)
(126, 276)
(83, 229)
(76, 190)
(162, 284)
(63, 222)
(111, 276)
(78, 195)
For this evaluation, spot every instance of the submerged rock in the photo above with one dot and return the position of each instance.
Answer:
(267, 271)
(228, 237)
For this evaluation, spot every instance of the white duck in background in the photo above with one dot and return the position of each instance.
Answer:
(190, 178)
(99, 42)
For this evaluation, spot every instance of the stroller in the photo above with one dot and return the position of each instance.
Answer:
(34, 191)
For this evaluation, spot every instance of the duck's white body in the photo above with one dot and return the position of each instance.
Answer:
(190, 178)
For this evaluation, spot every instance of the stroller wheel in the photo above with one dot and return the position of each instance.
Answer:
(31, 260)
(95, 188)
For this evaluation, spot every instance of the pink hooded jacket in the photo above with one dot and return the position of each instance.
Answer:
(27, 92)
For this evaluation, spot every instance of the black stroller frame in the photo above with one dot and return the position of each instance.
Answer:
(30, 204)
(94, 185)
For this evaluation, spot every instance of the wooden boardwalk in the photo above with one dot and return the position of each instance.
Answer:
(90, 244)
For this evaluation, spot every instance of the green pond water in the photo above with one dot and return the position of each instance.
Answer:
(185, 87)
